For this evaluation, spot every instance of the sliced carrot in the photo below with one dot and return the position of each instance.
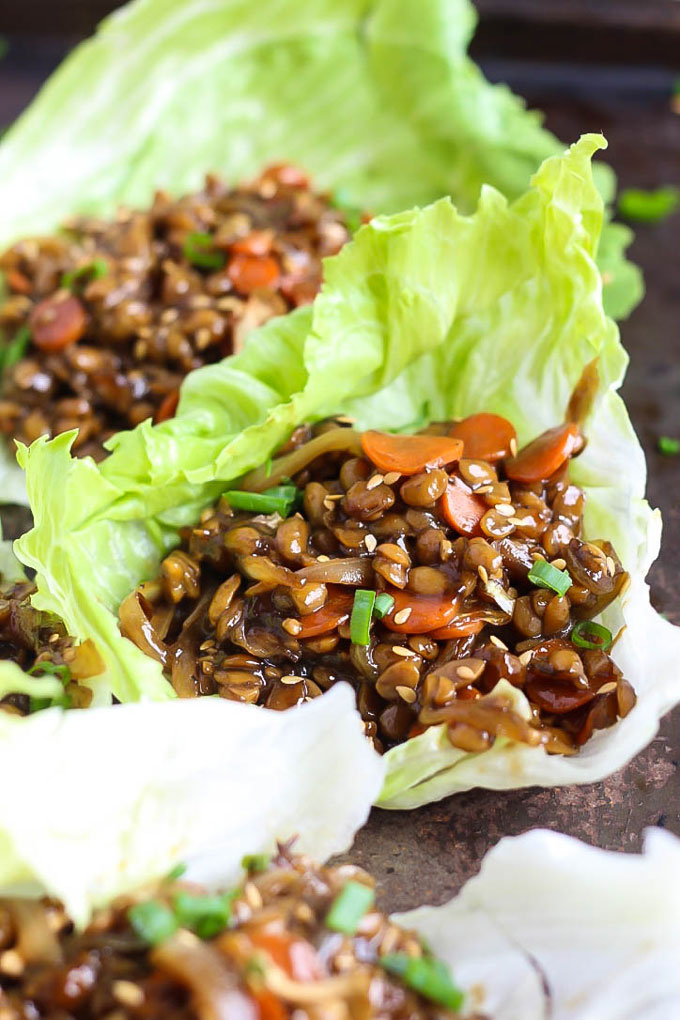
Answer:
(456, 630)
(257, 242)
(461, 508)
(337, 610)
(427, 611)
(268, 1006)
(409, 454)
(18, 283)
(287, 174)
(295, 956)
(57, 323)
(251, 272)
(544, 455)
(485, 436)
(167, 407)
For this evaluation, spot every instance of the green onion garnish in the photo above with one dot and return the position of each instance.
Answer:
(426, 975)
(280, 499)
(383, 605)
(176, 872)
(206, 915)
(360, 620)
(14, 349)
(153, 921)
(52, 669)
(348, 907)
(600, 638)
(648, 206)
(198, 249)
(256, 862)
(668, 446)
(92, 271)
(544, 575)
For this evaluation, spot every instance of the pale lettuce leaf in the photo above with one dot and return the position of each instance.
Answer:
(96, 803)
(554, 927)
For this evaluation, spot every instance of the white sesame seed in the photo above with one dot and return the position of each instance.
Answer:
(11, 963)
(483, 573)
(516, 521)
(371, 543)
(290, 679)
(403, 615)
(391, 477)
(252, 895)
(407, 694)
(611, 566)
(484, 488)
(328, 503)
(536, 555)
(465, 673)
(322, 558)
(127, 993)
(513, 446)
(505, 509)
(497, 642)
(203, 338)
(559, 564)
(525, 657)
(292, 626)
(400, 650)
(608, 688)
(374, 482)
(345, 419)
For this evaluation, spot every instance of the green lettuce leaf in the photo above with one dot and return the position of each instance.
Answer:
(426, 314)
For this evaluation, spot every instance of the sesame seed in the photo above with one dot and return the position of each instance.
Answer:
(169, 315)
(559, 564)
(465, 673)
(252, 895)
(52, 638)
(203, 338)
(513, 446)
(328, 503)
(403, 615)
(611, 566)
(484, 488)
(483, 573)
(371, 543)
(446, 549)
(323, 559)
(525, 658)
(292, 626)
(400, 650)
(536, 555)
(407, 694)
(505, 509)
(516, 521)
(374, 482)
(11, 963)
(345, 419)
(391, 477)
(608, 688)
(127, 993)
(497, 642)
(290, 679)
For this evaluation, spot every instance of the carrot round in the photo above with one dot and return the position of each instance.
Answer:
(427, 612)
(257, 242)
(461, 508)
(293, 955)
(544, 455)
(268, 1006)
(456, 630)
(57, 322)
(250, 272)
(485, 436)
(408, 455)
(337, 610)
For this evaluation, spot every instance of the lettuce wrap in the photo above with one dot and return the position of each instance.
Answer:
(377, 99)
(428, 314)
(552, 927)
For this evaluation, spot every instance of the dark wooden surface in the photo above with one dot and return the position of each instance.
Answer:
(427, 854)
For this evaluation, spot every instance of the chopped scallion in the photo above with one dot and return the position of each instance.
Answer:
(198, 250)
(544, 575)
(383, 605)
(427, 976)
(256, 862)
(279, 499)
(92, 271)
(587, 634)
(648, 206)
(51, 669)
(349, 906)
(176, 872)
(13, 350)
(360, 620)
(153, 921)
(668, 446)
(205, 914)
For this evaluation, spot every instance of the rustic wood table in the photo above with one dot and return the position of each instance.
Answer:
(616, 77)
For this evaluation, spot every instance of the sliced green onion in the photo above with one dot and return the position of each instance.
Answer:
(668, 446)
(544, 575)
(648, 206)
(280, 499)
(198, 249)
(360, 620)
(427, 976)
(51, 669)
(92, 271)
(268, 467)
(153, 921)
(601, 638)
(349, 906)
(383, 605)
(176, 872)
(13, 350)
(206, 915)
(256, 862)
